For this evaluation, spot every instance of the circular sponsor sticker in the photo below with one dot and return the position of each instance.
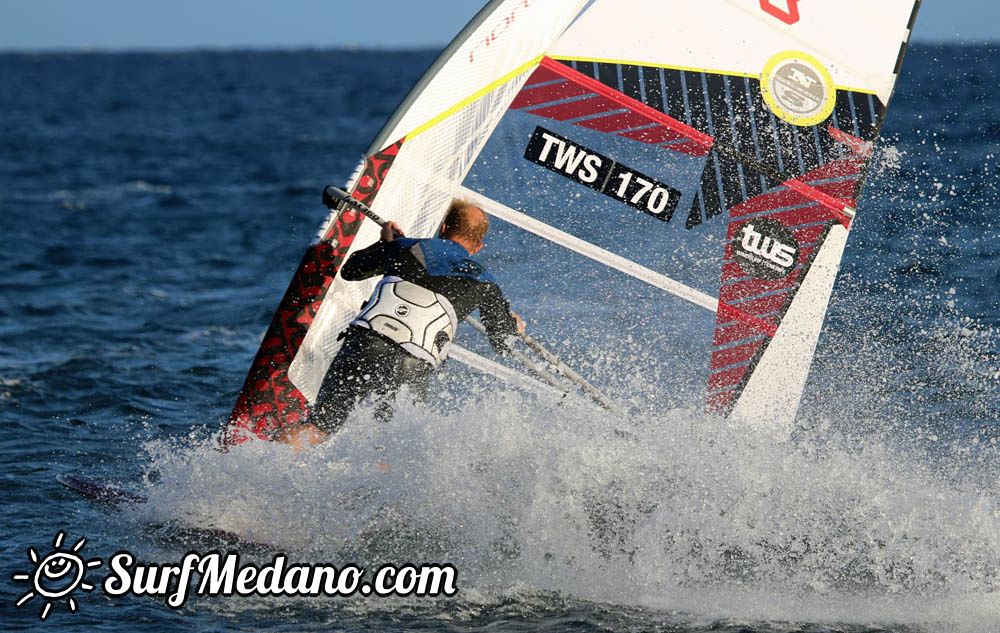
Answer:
(798, 88)
(766, 249)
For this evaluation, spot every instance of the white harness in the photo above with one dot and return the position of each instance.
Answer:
(422, 322)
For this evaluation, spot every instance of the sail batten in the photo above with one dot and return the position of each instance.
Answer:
(587, 249)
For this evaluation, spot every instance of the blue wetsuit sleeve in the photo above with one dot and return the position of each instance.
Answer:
(369, 262)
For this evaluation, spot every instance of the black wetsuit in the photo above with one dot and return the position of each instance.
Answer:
(369, 364)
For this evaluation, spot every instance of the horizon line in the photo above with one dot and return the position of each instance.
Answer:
(350, 48)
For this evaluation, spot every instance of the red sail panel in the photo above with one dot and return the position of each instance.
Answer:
(561, 101)
(268, 400)
(761, 226)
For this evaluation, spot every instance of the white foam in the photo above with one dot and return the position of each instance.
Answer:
(676, 510)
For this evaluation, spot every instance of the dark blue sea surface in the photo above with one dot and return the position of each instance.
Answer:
(153, 207)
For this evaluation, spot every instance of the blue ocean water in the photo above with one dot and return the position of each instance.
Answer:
(153, 208)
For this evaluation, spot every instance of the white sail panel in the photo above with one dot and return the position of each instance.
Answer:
(504, 40)
(858, 40)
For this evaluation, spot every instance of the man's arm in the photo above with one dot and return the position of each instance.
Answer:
(368, 262)
(374, 259)
(497, 317)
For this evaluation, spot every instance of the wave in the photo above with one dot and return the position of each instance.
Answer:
(677, 510)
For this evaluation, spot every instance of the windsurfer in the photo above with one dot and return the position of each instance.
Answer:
(402, 333)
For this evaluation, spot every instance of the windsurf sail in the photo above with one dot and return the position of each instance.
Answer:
(706, 158)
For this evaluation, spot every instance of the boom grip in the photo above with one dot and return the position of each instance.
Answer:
(335, 199)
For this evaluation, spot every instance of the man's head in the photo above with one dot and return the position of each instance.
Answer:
(466, 224)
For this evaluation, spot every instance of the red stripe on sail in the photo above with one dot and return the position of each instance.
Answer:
(627, 102)
(690, 148)
(760, 326)
(667, 130)
(655, 135)
(722, 401)
(735, 331)
(859, 146)
(547, 94)
(753, 287)
(806, 202)
(615, 122)
(838, 208)
(727, 378)
(734, 355)
(540, 76)
(575, 109)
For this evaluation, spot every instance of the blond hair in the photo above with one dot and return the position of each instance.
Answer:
(461, 222)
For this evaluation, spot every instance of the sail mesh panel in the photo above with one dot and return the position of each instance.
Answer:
(416, 195)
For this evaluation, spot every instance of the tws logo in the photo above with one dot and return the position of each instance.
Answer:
(765, 248)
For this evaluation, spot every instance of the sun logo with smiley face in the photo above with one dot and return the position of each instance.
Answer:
(56, 575)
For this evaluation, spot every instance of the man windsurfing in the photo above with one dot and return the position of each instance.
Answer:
(402, 334)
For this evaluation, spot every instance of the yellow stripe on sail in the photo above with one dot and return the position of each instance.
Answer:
(461, 105)
(690, 69)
